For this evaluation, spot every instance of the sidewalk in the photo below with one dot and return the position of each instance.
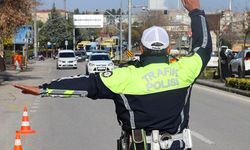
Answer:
(221, 86)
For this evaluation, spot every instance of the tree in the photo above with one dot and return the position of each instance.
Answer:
(13, 14)
(56, 30)
(214, 25)
(154, 18)
(76, 11)
(246, 27)
(149, 19)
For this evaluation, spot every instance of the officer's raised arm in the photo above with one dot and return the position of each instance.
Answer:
(201, 38)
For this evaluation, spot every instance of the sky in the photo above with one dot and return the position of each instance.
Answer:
(91, 5)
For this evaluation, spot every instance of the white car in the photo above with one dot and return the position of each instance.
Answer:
(99, 62)
(66, 59)
(236, 64)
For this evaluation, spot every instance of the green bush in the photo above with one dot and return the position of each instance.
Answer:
(240, 83)
(208, 73)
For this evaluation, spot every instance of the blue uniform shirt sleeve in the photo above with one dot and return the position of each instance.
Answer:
(201, 38)
(92, 84)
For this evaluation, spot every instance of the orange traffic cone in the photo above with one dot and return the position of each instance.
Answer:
(18, 144)
(25, 127)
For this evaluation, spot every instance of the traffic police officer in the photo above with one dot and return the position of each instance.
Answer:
(152, 100)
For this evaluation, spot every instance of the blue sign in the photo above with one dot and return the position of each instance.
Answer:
(23, 35)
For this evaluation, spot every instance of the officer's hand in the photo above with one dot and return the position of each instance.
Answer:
(28, 89)
(191, 4)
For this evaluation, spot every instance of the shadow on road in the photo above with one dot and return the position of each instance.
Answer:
(5, 76)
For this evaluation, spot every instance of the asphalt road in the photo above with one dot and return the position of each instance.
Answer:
(219, 120)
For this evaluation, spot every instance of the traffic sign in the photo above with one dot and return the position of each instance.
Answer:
(130, 54)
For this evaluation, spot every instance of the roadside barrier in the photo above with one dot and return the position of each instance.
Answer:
(25, 127)
(18, 144)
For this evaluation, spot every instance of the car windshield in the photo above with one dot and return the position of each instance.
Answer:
(248, 56)
(238, 55)
(78, 54)
(99, 57)
(89, 48)
(66, 54)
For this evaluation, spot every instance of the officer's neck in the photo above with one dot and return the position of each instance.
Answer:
(147, 59)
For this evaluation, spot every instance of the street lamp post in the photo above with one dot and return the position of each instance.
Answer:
(121, 33)
(129, 24)
(35, 31)
(74, 38)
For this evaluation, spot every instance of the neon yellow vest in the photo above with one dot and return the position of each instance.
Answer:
(154, 78)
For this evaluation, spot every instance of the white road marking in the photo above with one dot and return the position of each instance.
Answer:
(36, 104)
(32, 111)
(34, 107)
(202, 138)
(37, 100)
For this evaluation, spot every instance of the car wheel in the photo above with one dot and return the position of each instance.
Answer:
(75, 68)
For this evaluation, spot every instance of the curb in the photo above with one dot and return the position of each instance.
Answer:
(224, 88)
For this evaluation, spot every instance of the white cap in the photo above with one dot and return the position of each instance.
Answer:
(155, 38)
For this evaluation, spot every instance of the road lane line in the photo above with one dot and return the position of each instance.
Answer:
(202, 138)
(34, 107)
(36, 104)
(32, 111)
(37, 101)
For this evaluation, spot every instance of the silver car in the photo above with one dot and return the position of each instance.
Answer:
(236, 64)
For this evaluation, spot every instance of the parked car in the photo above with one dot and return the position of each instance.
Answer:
(66, 59)
(235, 65)
(213, 62)
(99, 62)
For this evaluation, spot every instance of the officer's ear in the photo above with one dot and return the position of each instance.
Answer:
(141, 47)
(168, 49)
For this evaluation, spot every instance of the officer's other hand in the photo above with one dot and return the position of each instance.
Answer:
(28, 89)
(191, 4)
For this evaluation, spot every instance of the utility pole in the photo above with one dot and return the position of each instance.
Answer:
(129, 24)
(178, 5)
(121, 32)
(64, 4)
(35, 31)
(230, 5)
(74, 38)
(66, 23)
